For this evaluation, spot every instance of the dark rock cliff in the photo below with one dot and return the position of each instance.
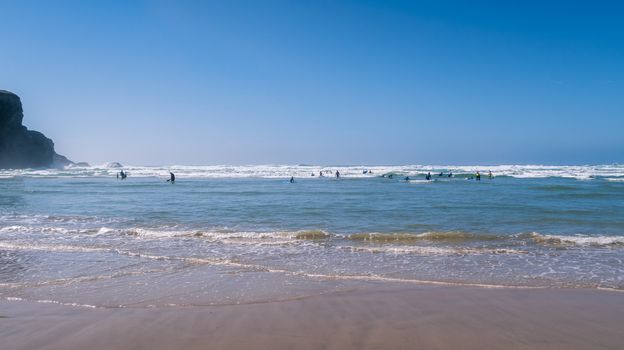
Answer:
(20, 147)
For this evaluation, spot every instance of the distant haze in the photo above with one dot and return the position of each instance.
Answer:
(318, 82)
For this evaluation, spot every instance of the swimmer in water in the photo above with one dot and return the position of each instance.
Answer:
(171, 177)
(337, 174)
(490, 174)
(292, 179)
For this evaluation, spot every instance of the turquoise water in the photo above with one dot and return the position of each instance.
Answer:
(83, 237)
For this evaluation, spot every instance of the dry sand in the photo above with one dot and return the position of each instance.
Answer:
(370, 317)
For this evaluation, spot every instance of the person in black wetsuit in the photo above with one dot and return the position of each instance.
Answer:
(478, 176)
(292, 179)
(171, 177)
(337, 174)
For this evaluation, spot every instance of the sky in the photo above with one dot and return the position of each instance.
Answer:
(320, 82)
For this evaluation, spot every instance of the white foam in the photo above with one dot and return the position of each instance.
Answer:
(272, 237)
(199, 261)
(377, 278)
(421, 250)
(221, 236)
(44, 230)
(581, 240)
(49, 247)
(47, 301)
(429, 250)
(304, 171)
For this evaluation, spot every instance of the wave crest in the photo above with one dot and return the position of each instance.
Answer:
(576, 240)
(436, 236)
(614, 172)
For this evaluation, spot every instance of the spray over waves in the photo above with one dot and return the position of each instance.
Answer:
(614, 172)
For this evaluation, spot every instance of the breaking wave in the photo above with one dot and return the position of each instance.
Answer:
(577, 240)
(614, 173)
(225, 236)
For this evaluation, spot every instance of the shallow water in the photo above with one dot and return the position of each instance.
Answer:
(242, 234)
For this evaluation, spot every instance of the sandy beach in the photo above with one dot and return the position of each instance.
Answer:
(312, 175)
(367, 317)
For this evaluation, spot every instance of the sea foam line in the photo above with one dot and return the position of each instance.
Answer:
(305, 171)
(56, 302)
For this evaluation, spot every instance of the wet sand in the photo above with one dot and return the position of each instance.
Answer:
(368, 317)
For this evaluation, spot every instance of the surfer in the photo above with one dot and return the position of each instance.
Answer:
(337, 174)
(490, 174)
(450, 174)
(292, 179)
(171, 177)
(441, 174)
(478, 176)
(407, 178)
(321, 174)
(123, 175)
(428, 176)
(390, 176)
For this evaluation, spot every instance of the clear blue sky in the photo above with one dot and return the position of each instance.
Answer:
(322, 82)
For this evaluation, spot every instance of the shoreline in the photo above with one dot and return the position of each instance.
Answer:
(369, 316)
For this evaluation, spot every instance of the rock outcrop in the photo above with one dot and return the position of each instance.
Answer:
(20, 147)
(114, 165)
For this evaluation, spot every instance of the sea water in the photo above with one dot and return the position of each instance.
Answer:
(231, 234)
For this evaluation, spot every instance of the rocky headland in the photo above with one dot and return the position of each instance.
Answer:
(20, 147)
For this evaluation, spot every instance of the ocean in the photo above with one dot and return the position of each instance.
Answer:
(236, 234)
